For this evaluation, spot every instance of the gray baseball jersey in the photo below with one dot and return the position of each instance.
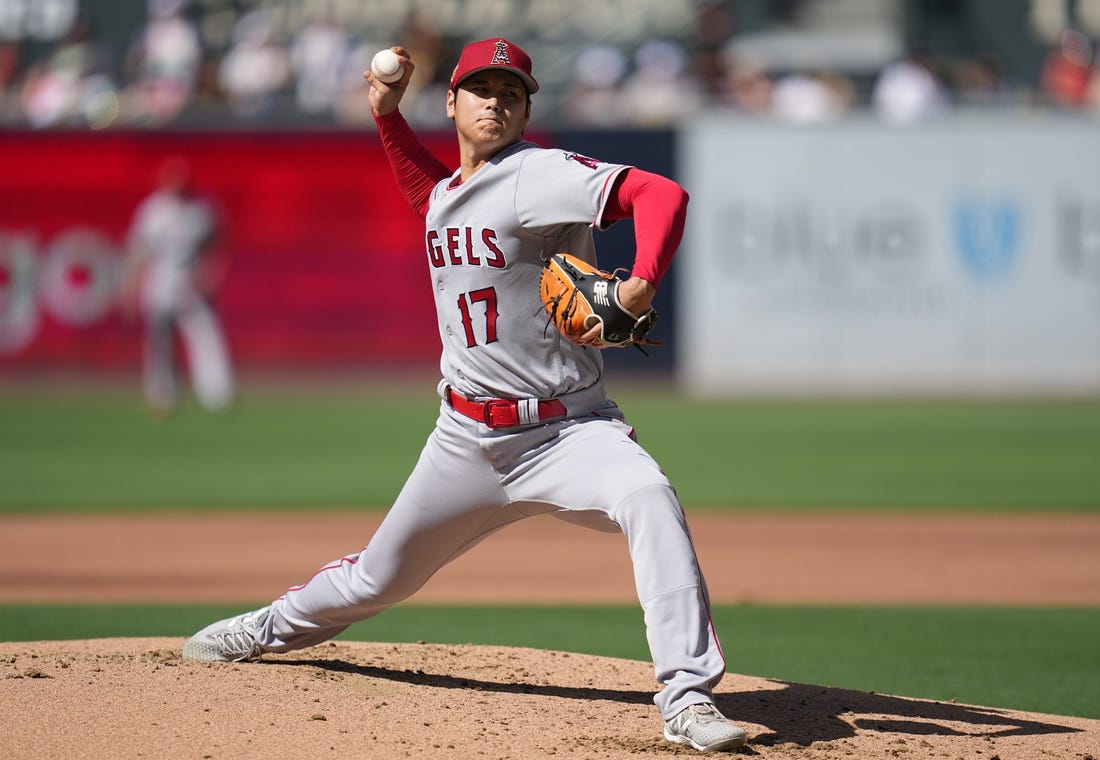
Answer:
(487, 240)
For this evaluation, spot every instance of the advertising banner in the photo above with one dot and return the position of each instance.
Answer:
(956, 257)
(323, 256)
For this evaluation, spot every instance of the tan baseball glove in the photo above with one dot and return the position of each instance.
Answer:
(577, 296)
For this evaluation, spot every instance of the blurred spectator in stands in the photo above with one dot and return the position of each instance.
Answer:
(981, 81)
(317, 55)
(595, 98)
(208, 106)
(842, 90)
(256, 68)
(750, 87)
(799, 98)
(661, 90)
(51, 90)
(1067, 71)
(173, 270)
(907, 91)
(714, 77)
(70, 86)
(714, 27)
(163, 64)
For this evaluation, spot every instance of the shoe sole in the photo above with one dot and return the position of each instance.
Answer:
(734, 743)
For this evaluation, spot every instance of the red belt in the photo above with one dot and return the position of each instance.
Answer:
(505, 412)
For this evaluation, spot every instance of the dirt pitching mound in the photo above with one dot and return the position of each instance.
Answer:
(131, 698)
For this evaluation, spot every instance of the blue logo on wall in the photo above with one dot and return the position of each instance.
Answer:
(987, 234)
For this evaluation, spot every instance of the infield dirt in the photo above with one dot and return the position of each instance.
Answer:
(136, 698)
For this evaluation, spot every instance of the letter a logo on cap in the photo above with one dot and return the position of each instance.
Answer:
(500, 53)
(492, 54)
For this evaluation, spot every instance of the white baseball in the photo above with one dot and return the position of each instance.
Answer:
(386, 66)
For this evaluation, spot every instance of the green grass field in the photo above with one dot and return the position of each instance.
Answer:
(344, 448)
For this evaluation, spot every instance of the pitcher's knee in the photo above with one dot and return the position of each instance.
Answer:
(653, 504)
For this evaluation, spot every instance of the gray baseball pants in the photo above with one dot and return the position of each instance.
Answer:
(471, 481)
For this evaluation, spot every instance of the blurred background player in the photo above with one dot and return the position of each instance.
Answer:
(173, 271)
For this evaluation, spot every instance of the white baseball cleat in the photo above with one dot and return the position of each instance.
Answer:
(705, 729)
(229, 640)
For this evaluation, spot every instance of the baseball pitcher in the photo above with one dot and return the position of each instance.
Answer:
(525, 426)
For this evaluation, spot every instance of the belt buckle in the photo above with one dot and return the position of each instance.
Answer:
(500, 412)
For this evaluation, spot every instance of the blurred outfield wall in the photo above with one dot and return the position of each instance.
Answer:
(960, 256)
(318, 243)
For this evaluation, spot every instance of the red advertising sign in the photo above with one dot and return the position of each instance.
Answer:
(326, 263)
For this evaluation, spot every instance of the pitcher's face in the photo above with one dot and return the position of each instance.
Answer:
(490, 109)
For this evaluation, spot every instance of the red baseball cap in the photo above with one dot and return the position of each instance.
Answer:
(494, 54)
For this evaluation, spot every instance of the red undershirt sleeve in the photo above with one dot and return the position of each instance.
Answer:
(659, 209)
(414, 167)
